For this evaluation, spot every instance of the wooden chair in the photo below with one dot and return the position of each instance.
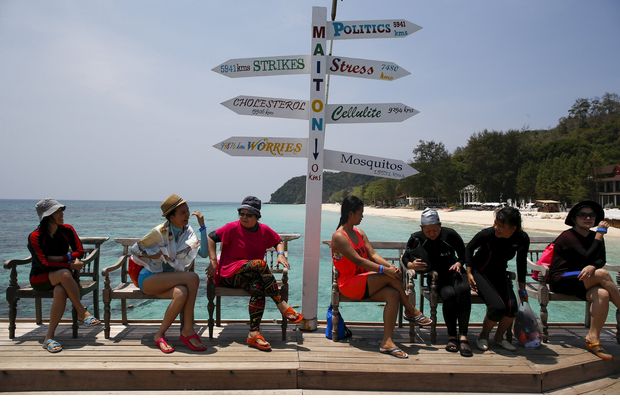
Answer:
(431, 292)
(396, 251)
(540, 290)
(88, 279)
(215, 293)
(125, 290)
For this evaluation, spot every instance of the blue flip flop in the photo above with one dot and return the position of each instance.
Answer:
(90, 321)
(52, 346)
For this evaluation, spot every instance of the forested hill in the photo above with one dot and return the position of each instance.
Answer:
(294, 190)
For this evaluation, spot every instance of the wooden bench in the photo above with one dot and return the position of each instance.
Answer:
(396, 250)
(88, 279)
(125, 290)
(215, 293)
(540, 290)
(431, 292)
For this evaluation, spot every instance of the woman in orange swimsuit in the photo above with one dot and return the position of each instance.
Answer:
(364, 274)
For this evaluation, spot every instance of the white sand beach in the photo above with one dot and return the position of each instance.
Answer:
(553, 223)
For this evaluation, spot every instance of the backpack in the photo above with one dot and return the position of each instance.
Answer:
(343, 331)
(545, 259)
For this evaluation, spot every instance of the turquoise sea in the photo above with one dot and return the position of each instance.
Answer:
(134, 218)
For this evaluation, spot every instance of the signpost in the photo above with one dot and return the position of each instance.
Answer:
(319, 113)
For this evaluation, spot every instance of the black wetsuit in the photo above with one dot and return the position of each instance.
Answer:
(573, 252)
(440, 255)
(488, 256)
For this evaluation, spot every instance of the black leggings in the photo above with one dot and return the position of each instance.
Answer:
(497, 293)
(456, 296)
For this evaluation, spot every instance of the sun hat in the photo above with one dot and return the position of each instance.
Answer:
(429, 217)
(252, 204)
(170, 203)
(47, 207)
(596, 207)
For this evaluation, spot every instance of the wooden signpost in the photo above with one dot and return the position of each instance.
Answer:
(319, 113)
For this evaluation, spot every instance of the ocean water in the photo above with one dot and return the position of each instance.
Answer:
(134, 218)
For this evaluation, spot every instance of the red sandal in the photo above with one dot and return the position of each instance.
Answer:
(253, 342)
(293, 316)
(163, 345)
(188, 343)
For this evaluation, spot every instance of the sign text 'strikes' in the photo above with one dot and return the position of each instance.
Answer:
(319, 113)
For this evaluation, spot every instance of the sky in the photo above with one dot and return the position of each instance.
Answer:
(116, 99)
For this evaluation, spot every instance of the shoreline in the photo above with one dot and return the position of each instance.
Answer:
(551, 222)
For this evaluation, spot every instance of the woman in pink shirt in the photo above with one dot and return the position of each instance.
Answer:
(242, 265)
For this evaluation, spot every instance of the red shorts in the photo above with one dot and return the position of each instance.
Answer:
(41, 282)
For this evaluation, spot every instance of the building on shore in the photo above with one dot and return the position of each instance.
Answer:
(607, 184)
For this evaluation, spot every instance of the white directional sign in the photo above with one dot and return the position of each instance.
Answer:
(367, 165)
(268, 107)
(263, 146)
(370, 29)
(369, 112)
(264, 66)
(367, 69)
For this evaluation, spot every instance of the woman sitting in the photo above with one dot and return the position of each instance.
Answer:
(56, 250)
(364, 274)
(165, 252)
(577, 268)
(242, 265)
(487, 256)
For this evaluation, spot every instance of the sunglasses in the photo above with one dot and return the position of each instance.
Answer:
(244, 215)
(586, 215)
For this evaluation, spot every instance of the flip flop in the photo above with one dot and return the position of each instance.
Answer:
(395, 352)
(188, 343)
(253, 342)
(595, 348)
(52, 346)
(163, 345)
(90, 321)
(293, 316)
(420, 320)
(465, 349)
(452, 345)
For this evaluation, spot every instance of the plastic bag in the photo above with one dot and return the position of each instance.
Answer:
(343, 331)
(526, 328)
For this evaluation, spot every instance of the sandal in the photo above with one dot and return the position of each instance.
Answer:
(595, 348)
(293, 316)
(452, 345)
(465, 349)
(163, 345)
(395, 352)
(252, 341)
(419, 320)
(190, 345)
(52, 346)
(90, 321)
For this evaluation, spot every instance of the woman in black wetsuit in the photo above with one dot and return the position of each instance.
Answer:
(577, 268)
(487, 256)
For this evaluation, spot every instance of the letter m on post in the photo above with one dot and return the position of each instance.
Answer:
(318, 32)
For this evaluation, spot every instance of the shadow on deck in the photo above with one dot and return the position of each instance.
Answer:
(128, 361)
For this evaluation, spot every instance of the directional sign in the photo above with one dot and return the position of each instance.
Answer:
(262, 146)
(370, 29)
(369, 113)
(268, 107)
(368, 69)
(264, 66)
(367, 165)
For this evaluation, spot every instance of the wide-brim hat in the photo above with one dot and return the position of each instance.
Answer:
(47, 207)
(596, 207)
(252, 204)
(170, 203)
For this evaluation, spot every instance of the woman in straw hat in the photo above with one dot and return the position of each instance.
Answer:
(164, 253)
(56, 250)
(577, 268)
(242, 265)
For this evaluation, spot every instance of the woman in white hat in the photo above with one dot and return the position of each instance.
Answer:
(164, 253)
(56, 250)
(577, 268)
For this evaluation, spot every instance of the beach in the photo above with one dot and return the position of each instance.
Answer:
(552, 223)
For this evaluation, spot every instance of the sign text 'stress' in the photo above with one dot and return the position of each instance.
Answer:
(319, 113)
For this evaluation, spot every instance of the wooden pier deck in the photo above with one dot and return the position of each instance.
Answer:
(306, 361)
